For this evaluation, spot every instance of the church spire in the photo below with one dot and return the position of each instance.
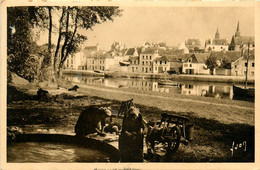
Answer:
(237, 34)
(217, 35)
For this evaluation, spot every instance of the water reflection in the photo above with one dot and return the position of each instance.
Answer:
(186, 88)
(217, 91)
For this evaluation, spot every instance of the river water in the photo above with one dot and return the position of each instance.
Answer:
(53, 152)
(204, 89)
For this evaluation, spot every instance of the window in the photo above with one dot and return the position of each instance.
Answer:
(165, 62)
(143, 57)
(235, 66)
(150, 57)
(150, 63)
(146, 57)
(160, 62)
(133, 69)
(136, 68)
(156, 62)
(142, 69)
(252, 73)
(100, 68)
(71, 61)
(146, 62)
(253, 64)
(143, 62)
(150, 69)
(245, 64)
(190, 65)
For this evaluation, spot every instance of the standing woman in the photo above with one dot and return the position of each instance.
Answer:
(131, 138)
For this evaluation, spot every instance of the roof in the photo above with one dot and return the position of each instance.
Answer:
(217, 42)
(229, 56)
(92, 53)
(139, 50)
(244, 40)
(123, 51)
(149, 51)
(174, 58)
(163, 58)
(200, 57)
(184, 57)
(171, 52)
(130, 51)
(107, 55)
(170, 58)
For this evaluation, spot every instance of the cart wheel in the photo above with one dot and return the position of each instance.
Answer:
(174, 141)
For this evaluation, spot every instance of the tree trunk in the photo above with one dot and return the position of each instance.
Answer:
(58, 42)
(48, 73)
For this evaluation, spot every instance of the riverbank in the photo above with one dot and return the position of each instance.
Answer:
(217, 122)
(180, 77)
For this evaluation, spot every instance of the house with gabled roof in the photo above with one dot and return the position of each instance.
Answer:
(146, 59)
(167, 63)
(238, 67)
(195, 64)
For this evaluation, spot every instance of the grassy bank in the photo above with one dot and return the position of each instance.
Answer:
(217, 122)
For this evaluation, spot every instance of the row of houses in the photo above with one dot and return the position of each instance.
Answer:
(151, 61)
(158, 58)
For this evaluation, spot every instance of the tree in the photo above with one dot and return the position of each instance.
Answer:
(20, 44)
(73, 19)
(211, 63)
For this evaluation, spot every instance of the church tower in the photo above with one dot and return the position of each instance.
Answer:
(217, 35)
(237, 34)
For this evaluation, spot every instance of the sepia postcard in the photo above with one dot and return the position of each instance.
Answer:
(129, 85)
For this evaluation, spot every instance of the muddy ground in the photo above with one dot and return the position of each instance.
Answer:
(212, 140)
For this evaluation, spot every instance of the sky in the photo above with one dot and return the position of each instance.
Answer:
(171, 25)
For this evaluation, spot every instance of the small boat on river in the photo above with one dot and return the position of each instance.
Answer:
(168, 83)
(243, 92)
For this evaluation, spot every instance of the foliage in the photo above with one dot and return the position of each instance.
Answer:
(76, 18)
(211, 62)
(19, 42)
(225, 64)
(20, 39)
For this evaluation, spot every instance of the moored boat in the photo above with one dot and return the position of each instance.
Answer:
(168, 83)
(242, 92)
